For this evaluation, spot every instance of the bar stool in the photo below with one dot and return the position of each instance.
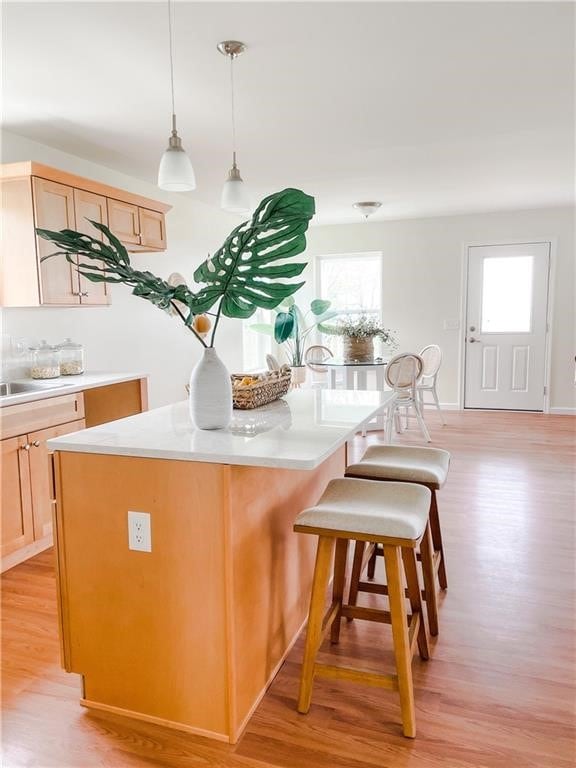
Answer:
(396, 516)
(398, 463)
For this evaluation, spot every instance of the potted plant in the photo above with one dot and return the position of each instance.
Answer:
(358, 333)
(291, 328)
(243, 275)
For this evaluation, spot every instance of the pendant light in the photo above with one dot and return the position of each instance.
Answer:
(367, 207)
(175, 173)
(235, 196)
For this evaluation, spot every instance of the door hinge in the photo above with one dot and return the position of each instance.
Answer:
(545, 389)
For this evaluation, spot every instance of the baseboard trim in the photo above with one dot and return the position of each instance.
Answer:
(25, 553)
(155, 720)
(559, 411)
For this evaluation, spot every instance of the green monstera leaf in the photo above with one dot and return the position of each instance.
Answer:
(245, 273)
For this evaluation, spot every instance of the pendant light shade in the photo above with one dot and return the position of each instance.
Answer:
(175, 173)
(235, 197)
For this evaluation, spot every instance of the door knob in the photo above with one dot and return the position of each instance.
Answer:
(472, 339)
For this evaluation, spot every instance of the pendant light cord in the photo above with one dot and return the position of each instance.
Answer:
(170, 33)
(232, 105)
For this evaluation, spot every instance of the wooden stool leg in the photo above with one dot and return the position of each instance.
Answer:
(402, 650)
(411, 571)
(426, 552)
(340, 560)
(315, 618)
(356, 573)
(372, 563)
(437, 540)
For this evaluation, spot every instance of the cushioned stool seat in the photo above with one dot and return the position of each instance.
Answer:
(367, 508)
(428, 466)
(394, 515)
(404, 464)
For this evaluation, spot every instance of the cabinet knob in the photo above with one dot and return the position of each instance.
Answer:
(25, 447)
(36, 443)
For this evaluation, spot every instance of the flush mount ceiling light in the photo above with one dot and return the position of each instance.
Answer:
(175, 173)
(235, 196)
(368, 207)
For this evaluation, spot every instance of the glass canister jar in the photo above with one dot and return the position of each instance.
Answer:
(45, 362)
(71, 358)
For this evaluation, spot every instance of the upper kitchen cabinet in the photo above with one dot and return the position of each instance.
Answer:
(35, 195)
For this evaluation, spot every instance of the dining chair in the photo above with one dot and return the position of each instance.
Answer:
(432, 358)
(314, 359)
(402, 374)
(272, 363)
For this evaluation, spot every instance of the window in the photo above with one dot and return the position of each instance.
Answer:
(353, 283)
(255, 345)
(507, 294)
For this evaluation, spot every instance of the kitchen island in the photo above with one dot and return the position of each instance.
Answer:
(190, 634)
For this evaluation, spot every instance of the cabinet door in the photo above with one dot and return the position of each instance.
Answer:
(41, 478)
(54, 209)
(152, 228)
(124, 221)
(90, 207)
(17, 527)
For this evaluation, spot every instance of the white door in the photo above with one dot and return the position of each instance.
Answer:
(506, 326)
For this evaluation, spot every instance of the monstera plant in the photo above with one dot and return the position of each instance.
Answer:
(244, 274)
(251, 270)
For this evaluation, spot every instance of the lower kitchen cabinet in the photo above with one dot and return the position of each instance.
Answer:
(27, 491)
(17, 525)
(41, 476)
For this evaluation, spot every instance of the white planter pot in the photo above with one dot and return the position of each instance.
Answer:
(298, 375)
(210, 392)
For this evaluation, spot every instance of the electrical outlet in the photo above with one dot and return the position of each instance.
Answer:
(139, 532)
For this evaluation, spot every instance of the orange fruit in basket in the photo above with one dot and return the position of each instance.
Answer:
(201, 324)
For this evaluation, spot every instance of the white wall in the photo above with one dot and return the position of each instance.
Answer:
(423, 280)
(131, 334)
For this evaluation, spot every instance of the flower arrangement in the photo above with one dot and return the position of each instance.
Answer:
(360, 327)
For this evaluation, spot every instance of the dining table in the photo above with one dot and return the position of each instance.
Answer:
(355, 372)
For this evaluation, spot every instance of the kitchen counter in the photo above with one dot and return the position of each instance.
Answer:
(298, 432)
(189, 633)
(66, 385)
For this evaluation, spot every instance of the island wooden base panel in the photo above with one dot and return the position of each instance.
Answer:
(154, 720)
(192, 633)
(498, 691)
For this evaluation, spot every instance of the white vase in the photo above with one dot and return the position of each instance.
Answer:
(210, 392)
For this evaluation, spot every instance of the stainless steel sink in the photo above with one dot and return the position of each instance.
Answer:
(20, 387)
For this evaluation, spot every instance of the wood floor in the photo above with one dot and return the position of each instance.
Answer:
(498, 691)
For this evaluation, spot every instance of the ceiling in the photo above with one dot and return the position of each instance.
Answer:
(431, 108)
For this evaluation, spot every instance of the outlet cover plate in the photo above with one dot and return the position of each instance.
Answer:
(139, 532)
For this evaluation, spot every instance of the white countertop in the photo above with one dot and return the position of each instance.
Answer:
(298, 432)
(66, 385)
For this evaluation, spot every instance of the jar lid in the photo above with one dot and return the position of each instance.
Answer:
(43, 347)
(69, 344)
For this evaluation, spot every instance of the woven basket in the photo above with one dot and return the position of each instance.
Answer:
(269, 387)
(358, 349)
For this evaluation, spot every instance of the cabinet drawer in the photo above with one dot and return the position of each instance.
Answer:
(41, 414)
